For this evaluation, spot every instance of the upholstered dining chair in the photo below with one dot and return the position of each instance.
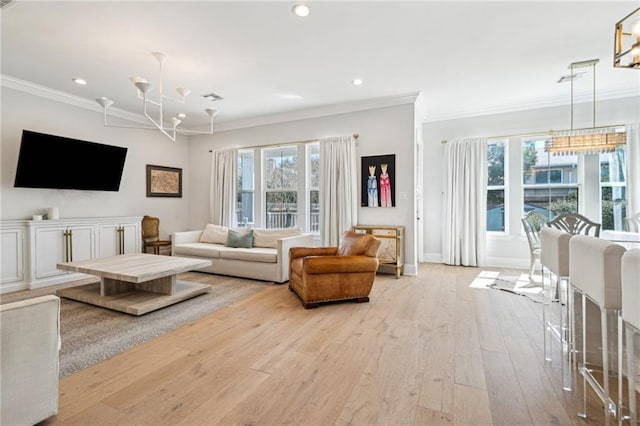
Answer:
(329, 274)
(151, 235)
(632, 223)
(575, 223)
(533, 223)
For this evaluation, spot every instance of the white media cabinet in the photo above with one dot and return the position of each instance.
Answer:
(30, 249)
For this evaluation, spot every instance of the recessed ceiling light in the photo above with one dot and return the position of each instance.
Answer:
(301, 10)
(290, 96)
(79, 81)
(357, 82)
(182, 115)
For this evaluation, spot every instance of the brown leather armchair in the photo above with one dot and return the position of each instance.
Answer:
(327, 274)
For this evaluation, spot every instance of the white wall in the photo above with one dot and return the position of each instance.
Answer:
(24, 111)
(388, 130)
(512, 250)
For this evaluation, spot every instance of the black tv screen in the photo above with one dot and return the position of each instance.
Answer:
(48, 161)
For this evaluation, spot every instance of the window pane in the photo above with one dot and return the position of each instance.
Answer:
(495, 159)
(314, 214)
(612, 166)
(282, 209)
(314, 165)
(551, 201)
(495, 210)
(245, 189)
(541, 168)
(614, 207)
(281, 168)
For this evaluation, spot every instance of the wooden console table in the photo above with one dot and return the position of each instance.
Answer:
(391, 253)
(135, 283)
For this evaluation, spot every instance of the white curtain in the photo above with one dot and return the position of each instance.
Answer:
(338, 188)
(465, 202)
(223, 187)
(633, 168)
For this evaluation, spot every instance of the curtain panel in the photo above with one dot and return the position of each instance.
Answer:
(338, 188)
(222, 191)
(633, 168)
(465, 202)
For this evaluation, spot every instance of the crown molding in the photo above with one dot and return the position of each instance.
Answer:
(67, 98)
(321, 111)
(536, 104)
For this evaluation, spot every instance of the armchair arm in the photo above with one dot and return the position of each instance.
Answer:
(284, 247)
(296, 252)
(339, 264)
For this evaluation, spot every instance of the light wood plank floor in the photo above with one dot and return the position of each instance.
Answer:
(427, 350)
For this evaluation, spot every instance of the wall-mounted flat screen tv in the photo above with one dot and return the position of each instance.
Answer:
(48, 161)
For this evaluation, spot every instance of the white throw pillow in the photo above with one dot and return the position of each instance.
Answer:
(269, 237)
(214, 234)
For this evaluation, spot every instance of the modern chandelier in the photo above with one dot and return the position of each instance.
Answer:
(587, 140)
(627, 41)
(144, 88)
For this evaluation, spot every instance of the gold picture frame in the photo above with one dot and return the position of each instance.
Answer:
(164, 181)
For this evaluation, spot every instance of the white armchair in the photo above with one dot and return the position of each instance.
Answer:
(29, 360)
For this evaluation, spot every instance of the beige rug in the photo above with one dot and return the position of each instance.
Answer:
(91, 334)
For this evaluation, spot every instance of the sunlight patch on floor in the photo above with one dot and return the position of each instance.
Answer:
(484, 279)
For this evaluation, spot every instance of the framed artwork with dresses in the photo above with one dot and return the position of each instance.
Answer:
(378, 185)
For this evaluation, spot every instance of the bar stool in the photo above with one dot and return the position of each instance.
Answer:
(594, 271)
(554, 257)
(630, 324)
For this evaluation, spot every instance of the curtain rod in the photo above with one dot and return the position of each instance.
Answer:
(355, 136)
(549, 132)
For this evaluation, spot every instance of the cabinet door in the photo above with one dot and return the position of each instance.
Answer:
(132, 238)
(82, 240)
(12, 256)
(50, 249)
(109, 239)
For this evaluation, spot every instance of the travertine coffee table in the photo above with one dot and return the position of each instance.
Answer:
(135, 283)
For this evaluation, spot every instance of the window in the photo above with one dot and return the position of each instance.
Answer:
(314, 185)
(613, 197)
(245, 188)
(281, 187)
(495, 186)
(549, 182)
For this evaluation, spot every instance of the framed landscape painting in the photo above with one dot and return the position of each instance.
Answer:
(378, 181)
(164, 181)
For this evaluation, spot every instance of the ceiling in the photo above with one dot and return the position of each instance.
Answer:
(466, 58)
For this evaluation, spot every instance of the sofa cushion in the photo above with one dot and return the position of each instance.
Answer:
(255, 254)
(269, 237)
(214, 234)
(198, 249)
(240, 239)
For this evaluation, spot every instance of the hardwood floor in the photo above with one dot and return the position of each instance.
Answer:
(427, 350)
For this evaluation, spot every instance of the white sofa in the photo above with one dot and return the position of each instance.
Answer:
(267, 259)
(29, 360)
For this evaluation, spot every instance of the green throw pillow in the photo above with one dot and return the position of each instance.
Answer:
(240, 239)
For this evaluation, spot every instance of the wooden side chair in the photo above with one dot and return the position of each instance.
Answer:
(151, 235)
(575, 223)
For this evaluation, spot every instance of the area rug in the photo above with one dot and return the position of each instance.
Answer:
(91, 334)
(516, 283)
